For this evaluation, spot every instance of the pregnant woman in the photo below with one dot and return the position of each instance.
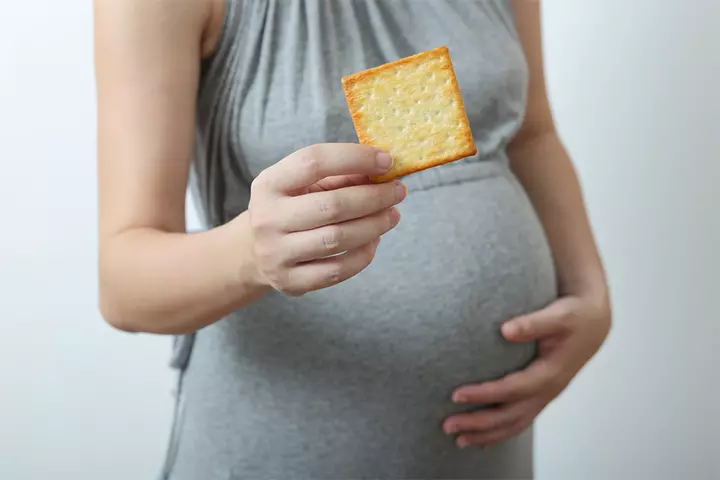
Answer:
(307, 348)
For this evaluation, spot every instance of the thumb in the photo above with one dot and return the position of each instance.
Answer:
(553, 320)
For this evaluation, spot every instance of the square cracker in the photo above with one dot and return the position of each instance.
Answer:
(411, 108)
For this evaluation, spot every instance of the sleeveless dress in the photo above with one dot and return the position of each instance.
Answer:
(354, 381)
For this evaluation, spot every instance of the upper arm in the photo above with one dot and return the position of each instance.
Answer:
(147, 55)
(538, 117)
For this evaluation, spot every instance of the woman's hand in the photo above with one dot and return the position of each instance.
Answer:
(569, 332)
(316, 220)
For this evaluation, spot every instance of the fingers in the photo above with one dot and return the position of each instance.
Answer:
(312, 164)
(340, 181)
(484, 420)
(330, 271)
(486, 427)
(322, 192)
(318, 209)
(554, 320)
(490, 437)
(342, 237)
(513, 387)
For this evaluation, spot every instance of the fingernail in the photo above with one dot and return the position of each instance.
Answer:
(462, 443)
(400, 191)
(394, 216)
(384, 160)
(510, 329)
(459, 398)
(451, 429)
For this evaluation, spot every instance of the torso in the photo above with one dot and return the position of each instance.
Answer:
(354, 381)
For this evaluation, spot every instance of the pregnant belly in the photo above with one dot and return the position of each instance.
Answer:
(369, 366)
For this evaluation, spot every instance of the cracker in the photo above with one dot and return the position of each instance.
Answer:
(411, 108)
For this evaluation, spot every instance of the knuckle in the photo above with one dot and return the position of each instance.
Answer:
(261, 183)
(332, 238)
(335, 275)
(332, 208)
(308, 160)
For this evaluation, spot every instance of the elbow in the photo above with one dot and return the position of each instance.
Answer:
(115, 315)
(127, 315)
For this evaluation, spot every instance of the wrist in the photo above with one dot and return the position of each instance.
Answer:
(591, 285)
(247, 273)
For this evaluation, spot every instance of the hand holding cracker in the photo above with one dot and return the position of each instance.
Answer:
(315, 221)
(411, 108)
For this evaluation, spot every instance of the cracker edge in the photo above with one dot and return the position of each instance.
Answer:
(353, 107)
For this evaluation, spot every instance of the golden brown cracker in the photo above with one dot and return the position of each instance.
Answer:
(411, 108)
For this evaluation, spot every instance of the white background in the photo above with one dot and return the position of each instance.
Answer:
(636, 92)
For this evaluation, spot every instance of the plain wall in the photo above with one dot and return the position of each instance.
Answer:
(635, 88)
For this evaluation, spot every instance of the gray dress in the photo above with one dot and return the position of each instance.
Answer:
(353, 382)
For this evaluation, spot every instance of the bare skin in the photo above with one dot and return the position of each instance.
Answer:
(313, 204)
(156, 278)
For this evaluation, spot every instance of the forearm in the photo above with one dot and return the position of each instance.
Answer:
(173, 283)
(547, 174)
